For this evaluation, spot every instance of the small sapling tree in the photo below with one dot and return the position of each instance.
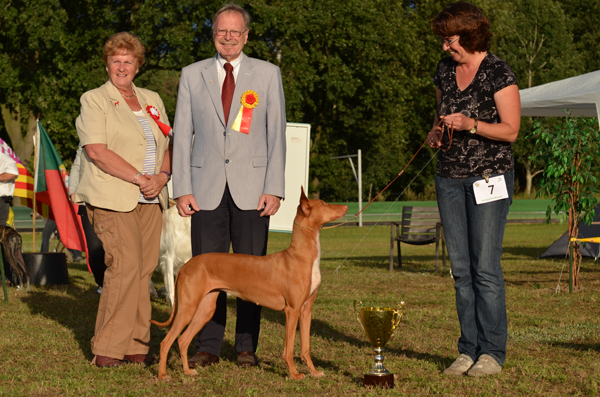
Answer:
(571, 154)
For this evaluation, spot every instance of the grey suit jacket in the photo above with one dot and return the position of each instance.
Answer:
(207, 154)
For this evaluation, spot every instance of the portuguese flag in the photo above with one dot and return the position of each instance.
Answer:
(51, 186)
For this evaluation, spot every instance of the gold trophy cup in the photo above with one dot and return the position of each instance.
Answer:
(379, 324)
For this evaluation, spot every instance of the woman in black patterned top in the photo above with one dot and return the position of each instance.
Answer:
(478, 119)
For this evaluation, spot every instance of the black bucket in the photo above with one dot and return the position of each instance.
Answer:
(45, 268)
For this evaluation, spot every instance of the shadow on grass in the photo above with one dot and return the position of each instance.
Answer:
(523, 252)
(75, 306)
(75, 310)
(324, 330)
(578, 346)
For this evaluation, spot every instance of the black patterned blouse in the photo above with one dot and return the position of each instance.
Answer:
(472, 154)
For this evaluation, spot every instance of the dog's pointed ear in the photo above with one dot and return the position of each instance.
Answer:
(302, 195)
(304, 203)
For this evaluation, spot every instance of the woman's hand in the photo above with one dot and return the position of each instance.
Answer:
(459, 121)
(434, 136)
(152, 185)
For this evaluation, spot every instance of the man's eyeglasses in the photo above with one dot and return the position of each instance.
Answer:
(448, 42)
(233, 33)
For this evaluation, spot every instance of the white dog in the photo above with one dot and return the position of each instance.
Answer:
(175, 248)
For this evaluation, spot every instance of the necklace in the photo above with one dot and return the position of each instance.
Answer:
(129, 96)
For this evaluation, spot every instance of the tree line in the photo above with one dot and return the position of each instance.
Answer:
(359, 71)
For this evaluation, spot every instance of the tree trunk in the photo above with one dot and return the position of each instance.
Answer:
(529, 175)
(528, 181)
(13, 122)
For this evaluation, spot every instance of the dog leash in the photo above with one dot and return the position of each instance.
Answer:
(378, 194)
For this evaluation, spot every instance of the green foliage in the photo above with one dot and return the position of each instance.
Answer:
(571, 155)
(351, 70)
(536, 38)
(359, 71)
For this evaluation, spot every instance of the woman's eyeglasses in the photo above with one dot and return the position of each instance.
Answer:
(448, 42)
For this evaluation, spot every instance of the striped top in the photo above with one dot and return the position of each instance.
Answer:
(150, 158)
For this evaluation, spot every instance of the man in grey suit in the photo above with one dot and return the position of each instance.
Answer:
(228, 165)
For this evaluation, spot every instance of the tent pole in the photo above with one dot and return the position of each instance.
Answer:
(34, 181)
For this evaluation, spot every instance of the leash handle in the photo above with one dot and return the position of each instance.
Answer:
(383, 190)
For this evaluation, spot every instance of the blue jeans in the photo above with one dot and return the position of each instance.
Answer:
(474, 235)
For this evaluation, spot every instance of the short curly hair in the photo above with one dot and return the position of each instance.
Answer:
(466, 21)
(124, 43)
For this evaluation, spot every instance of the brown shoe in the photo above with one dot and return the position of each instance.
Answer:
(107, 362)
(203, 359)
(246, 360)
(139, 359)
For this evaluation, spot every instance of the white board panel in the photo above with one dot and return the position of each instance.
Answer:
(296, 175)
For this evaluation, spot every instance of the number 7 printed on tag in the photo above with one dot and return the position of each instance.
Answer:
(493, 190)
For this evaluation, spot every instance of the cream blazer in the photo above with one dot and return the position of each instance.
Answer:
(106, 118)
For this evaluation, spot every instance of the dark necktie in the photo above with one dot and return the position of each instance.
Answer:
(228, 88)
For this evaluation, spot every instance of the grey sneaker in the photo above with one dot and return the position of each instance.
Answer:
(486, 365)
(460, 366)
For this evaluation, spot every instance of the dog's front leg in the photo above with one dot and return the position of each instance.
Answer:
(291, 321)
(305, 320)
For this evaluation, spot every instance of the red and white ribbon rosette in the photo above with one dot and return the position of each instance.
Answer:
(156, 116)
(244, 118)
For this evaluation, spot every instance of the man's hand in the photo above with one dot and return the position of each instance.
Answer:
(269, 205)
(186, 205)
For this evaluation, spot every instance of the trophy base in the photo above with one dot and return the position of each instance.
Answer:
(385, 381)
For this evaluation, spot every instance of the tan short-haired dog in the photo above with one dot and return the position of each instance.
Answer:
(287, 280)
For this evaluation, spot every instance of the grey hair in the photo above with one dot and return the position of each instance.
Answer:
(232, 7)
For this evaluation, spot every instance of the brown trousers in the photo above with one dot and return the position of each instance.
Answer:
(131, 243)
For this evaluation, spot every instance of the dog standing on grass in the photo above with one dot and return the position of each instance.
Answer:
(11, 247)
(287, 280)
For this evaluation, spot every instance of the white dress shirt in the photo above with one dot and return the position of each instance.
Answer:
(7, 164)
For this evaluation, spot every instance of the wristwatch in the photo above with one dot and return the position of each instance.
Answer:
(167, 174)
(474, 129)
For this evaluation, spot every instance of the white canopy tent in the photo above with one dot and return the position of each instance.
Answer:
(580, 95)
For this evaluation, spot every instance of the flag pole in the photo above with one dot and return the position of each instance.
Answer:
(37, 131)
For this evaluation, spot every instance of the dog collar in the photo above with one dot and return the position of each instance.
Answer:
(306, 227)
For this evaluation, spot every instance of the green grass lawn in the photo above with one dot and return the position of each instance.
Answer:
(553, 340)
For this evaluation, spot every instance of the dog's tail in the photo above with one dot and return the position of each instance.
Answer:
(170, 320)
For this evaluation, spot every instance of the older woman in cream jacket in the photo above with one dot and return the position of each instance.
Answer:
(124, 169)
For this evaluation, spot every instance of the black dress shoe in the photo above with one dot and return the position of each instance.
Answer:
(203, 359)
(107, 362)
(139, 359)
(246, 360)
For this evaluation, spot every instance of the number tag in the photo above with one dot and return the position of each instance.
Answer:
(492, 191)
